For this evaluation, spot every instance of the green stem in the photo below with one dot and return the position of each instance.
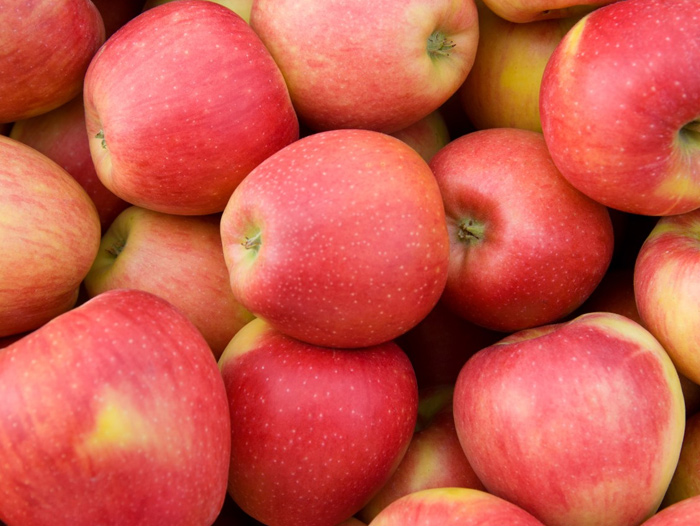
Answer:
(470, 231)
(439, 44)
(252, 242)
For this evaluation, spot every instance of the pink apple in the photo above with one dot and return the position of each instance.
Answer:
(178, 258)
(578, 423)
(503, 86)
(181, 103)
(526, 247)
(315, 431)
(46, 48)
(685, 483)
(61, 135)
(619, 103)
(50, 233)
(240, 7)
(453, 507)
(528, 11)
(434, 459)
(113, 413)
(339, 239)
(686, 513)
(427, 135)
(372, 65)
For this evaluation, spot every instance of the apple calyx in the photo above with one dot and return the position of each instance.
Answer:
(101, 135)
(470, 231)
(253, 242)
(439, 45)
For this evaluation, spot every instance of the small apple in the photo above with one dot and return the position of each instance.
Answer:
(619, 105)
(372, 65)
(315, 431)
(180, 143)
(113, 413)
(178, 258)
(578, 423)
(517, 256)
(338, 239)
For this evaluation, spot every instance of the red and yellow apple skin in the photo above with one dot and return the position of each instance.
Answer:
(113, 413)
(516, 228)
(453, 507)
(578, 423)
(392, 62)
(528, 11)
(667, 288)
(178, 258)
(339, 239)
(46, 50)
(620, 103)
(686, 479)
(240, 7)
(181, 103)
(315, 431)
(686, 513)
(50, 233)
(61, 135)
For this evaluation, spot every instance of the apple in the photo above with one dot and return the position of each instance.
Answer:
(113, 413)
(453, 507)
(686, 513)
(528, 11)
(178, 258)
(371, 65)
(315, 431)
(619, 105)
(240, 7)
(338, 239)
(61, 135)
(685, 483)
(502, 89)
(180, 143)
(427, 135)
(434, 459)
(578, 423)
(47, 46)
(50, 233)
(526, 248)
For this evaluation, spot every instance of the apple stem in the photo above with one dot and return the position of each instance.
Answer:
(116, 248)
(439, 44)
(252, 242)
(470, 231)
(101, 135)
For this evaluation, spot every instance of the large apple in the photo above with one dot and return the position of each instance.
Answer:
(686, 513)
(372, 65)
(50, 233)
(339, 239)
(178, 258)
(620, 103)
(502, 89)
(315, 431)
(579, 423)
(46, 48)
(61, 135)
(526, 247)
(453, 507)
(181, 103)
(113, 413)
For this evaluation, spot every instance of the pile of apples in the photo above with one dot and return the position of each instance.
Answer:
(330, 262)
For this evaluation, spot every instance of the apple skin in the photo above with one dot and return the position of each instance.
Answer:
(619, 105)
(502, 89)
(686, 513)
(528, 11)
(453, 507)
(339, 239)
(61, 135)
(315, 431)
(578, 423)
(516, 225)
(685, 483)
(45, 54)
(178, 258)
(374, 53)
(50, 233)
(240, 7)
(179, 143)
(434, 459)
(113, 413)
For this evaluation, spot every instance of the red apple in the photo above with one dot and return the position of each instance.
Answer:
(619, 103)
(372, 65)
(434, 459)
(50, 233)
(685, 483)
(178, 258)
(453, 507)
(578, 423)
(113, 413)
(686, 513)
(315, 431)
(180, 142)
(61, 135)
(339, 239)
(46, 48)
(517, 229)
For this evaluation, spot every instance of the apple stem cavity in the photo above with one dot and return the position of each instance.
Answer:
(470, 231)
(691, 132)
(116, 248)
(439, 45)
(253, 242)
(101, 135)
